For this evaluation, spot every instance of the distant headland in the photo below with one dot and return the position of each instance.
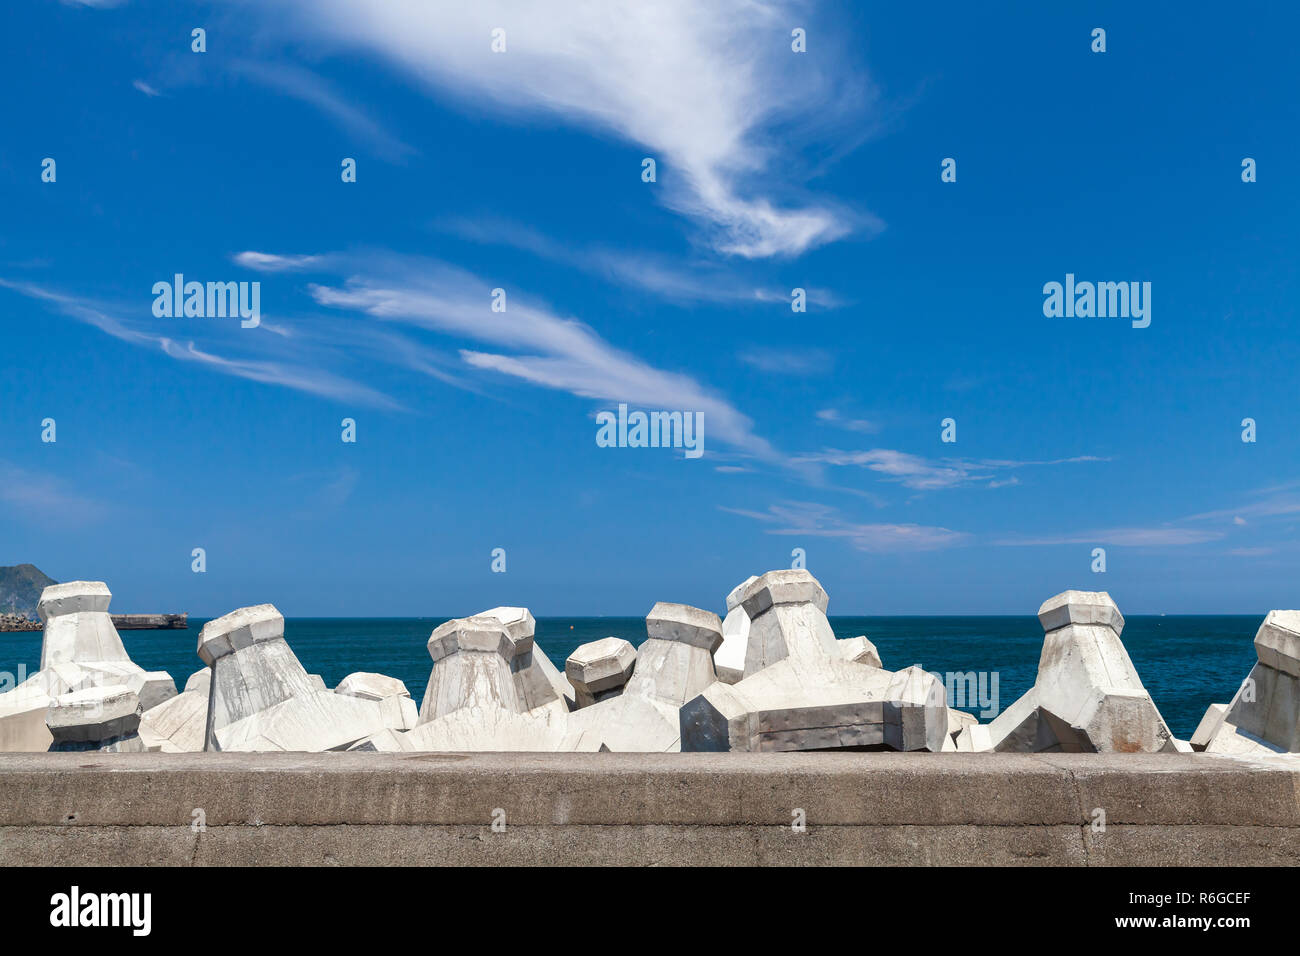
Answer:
(20, 592)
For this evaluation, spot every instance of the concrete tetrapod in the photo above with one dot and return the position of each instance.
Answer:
(804, 692)
(262, 698)
(103, 718)
(179, 724)
(673, 665)
(598, 670)
(1087, 696)
(729, 659)
(1264, 715)
(491, 688)
(80, 651)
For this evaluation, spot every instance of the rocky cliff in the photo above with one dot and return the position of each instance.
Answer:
(20, 589)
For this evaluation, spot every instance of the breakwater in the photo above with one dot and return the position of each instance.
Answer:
(881, 809)
(772, 676)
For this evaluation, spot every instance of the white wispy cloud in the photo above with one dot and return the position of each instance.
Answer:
(814, 295)
(925, 474)
(672, 280)
(145, 88)
(306, 86)
(1280, 501)
(299, 370)
(544, 348)
(789, 360)
(314, 381)
(1135, 537)
(832, 416)
(809, 519)
(711, 90)
(1274, 501)
(269, 262)
(532, 343)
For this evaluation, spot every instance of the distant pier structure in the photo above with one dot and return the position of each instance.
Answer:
(145, 622)
(123, 622)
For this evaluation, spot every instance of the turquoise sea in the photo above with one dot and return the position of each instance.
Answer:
(1186, 663)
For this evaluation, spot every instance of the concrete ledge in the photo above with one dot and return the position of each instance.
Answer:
(869, 808)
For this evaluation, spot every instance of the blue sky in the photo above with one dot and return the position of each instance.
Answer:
(775, 170)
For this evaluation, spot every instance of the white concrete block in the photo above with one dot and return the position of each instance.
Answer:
(1080, 607)
(674, 664)
(974, 738)
(675, 667)
(801, 692)
(1208, 726)
(559, 683)
(22, 720)
(1021, 729)
(491, 688)
(683, 624)
(371, 686)
(1277, 643)
(73, 597)
(77, 625)
(847, 706)
(239, 629)
(83, 667)
(178, 724)
(629, 723)
(312, 722)
(262, 698)
(787, 586)
(729, 658)
(94, 718)
(737, 594)
(252, 679)
(200, 681)
(152, 687)
(1087, 696)
(492, 728)
(861, 650)
(599, 669)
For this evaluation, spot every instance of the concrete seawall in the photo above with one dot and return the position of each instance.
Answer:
(639, 809)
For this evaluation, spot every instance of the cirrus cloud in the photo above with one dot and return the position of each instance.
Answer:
(710, 89)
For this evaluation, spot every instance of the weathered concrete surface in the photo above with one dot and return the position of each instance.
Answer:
(262, 699)
(491, 689)
(83, 666)
(1087, 696)
(1264, 715)
(638, 809)
(599, 669)
(180, 724)
(729, 659)
(672, 665)
(801, 691)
